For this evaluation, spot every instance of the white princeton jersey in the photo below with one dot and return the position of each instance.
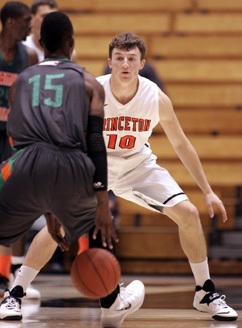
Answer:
(30, 44)
(132, 170)
(128, 127)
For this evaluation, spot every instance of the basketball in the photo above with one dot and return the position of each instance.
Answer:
(95, 272)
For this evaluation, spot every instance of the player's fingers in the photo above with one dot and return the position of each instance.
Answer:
(104, 237)
(109, 240)
(115, 237)
(56, 239)
(94, 236)
(224, 213)
(211, 212)
(63, 245)
(210, 209)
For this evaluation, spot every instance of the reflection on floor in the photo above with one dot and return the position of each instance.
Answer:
(168, 304)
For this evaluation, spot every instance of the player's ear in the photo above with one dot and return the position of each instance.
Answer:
(110, 63)
(9, 21)
(143, 61)
(71, 42)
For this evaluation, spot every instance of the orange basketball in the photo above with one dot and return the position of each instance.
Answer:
(95, 272)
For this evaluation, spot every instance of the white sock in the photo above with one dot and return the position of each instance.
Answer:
(17, 259)
(25, 276)
(201, 272)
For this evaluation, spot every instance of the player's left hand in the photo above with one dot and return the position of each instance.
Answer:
(104, 223)
(56, 231)
(212, 200)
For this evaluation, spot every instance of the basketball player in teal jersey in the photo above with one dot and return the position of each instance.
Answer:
(14, 58)
(56, 119)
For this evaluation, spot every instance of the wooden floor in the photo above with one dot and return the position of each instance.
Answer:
(168, 304)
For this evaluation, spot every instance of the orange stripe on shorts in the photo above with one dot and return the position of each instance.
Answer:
(10, 141)
(6, 172)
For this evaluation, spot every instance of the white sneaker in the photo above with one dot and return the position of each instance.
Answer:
(128, 301)
(208, 300)
(32, 293)
(10, 308)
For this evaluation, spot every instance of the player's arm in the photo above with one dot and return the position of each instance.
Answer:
(97, 152)
(187, 153)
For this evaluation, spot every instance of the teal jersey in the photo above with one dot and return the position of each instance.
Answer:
(8, 74)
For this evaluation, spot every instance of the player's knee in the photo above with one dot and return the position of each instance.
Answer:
(191, 216)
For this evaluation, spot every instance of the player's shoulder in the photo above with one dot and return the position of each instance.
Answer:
(103, 78)
(27, 72)
(148, 87)
(146, 82)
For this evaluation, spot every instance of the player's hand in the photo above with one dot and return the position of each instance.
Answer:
(56, 231)
(212, 200)
(104, 221)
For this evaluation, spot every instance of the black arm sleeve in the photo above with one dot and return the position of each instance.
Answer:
(96, 150)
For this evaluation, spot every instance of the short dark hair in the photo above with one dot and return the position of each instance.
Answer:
(127, 41)
(36, 3)
(56, 29)
(13, 9)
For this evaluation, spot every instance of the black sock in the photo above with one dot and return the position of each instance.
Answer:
(17, 291)
(14, 267)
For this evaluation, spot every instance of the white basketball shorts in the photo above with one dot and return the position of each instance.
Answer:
(143, 182)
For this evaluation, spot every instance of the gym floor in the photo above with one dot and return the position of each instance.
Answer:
(168, 304)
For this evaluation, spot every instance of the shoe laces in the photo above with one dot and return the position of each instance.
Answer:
(220, 300)
(11, 301)
(125, 294)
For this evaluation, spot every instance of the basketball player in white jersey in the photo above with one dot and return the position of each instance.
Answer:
(39, 9)
(133, 107)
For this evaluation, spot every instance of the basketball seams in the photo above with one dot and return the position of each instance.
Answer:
(79, 281)
(98, 274)
(95, 272)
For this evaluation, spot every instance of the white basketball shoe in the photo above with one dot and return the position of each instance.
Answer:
(208, 300)
(10, 307)
(127, 302)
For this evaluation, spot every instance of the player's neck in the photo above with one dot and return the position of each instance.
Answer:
(124, 92)
(8, 47)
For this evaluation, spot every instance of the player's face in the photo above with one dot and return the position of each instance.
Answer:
(126, 64)
(37, 19)
(21, 27)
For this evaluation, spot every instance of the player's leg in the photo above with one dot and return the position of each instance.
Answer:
(193, 244)
(152, 187)
(83, 243)
(5, 252)
(33, 263)
(186, 216)
(17, 259)
(5, 264)
(123, 301)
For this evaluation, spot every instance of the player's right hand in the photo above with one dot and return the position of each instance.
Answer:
(56, 231)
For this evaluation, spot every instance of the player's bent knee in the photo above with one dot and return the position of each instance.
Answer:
(192, 215)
